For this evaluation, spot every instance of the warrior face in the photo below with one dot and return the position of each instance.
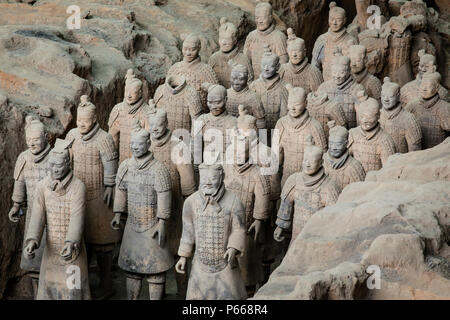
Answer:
(190, 50)
(238, 80)
(389, 98)
(263, 18)
(340, 73)
(139, 145)
(36, 141)
(336, 146)
(133, 93)
(357, 60)
(210, 181)
(428, 87)
(426, 65)
(59, 166)
(336, 21)
(158, 126)
(296, 52)
(216, 103)
(226, 43)
(296, 109)
(269, 67)
(368, 117)
(312, 162)
(85, 121)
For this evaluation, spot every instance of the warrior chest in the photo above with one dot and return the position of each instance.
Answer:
(308, 200)
(367, 152)
(177, 108)
(33, 173)
(243, 186)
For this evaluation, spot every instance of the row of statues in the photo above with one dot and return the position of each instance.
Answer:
(150, 186)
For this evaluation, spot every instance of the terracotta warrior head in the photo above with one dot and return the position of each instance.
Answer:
(296, 101)
(86, 115)
(246, 123)
(35, 134)
(336, 18)
(140, 140)
(263, 15)
(157, 121)
(295, 47)
(429, 84)
(358, 58)
(340, 67)
(368, 111)
(312, 158)
(211, 178)
(270, 63)
(239, 77)
(191, 48)
(133, 88)
(390, 94)
(227, 35)
(216, 99)
(427, 62)
(59, 160)
(337, 140)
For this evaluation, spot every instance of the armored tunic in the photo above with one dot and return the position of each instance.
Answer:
(343, 170)
(195, 73)
(222, 63)
(304, 75)
(371, 149)
(345, 95)
(403, 128)
(274, 96)
(398, 66)
(433, 116)
(95, 162)
(411, 91)
(29, 170)
(182, 180)
(323, 51)
(181, 103)
(257, 40)
(292, 140)
(143, 191)
(59, 208)
(302, 196)
(211, 225)
(250, 100)
(371, 84)
(253, 189)
(121, 122)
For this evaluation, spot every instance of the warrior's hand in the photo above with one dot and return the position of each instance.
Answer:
(29, 249)
(180, 267)
(67, 251)
(115, 223)
(277, 235)
(161, 231)
(230, 256)
(13, 214)
(257, 226)
(108, 196)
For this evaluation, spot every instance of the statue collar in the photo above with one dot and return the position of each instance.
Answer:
(144, 161)
(336, 36)
(181, 85)
(267, 31)
(271, 83)
(359, 77)
(162, 140)
(242, 91)
(132, 109)
(212, 199)
(309, 181)
(231, 54)
(337, 163)
(392, 113)
(300, 121)
(91, 133)
(428, 103)
(60, 186)
(372, 133)
(345, 84)
(41, 155)
(297, 68)
(193, 62)
(240, 168)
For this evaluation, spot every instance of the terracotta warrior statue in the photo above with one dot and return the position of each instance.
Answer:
(343, 87)
(298, 72)
(271, 89)
(210, 130)
(292, 130)
(181, 171)
(339, 165)
(123, 115)
(411, 91)
(180, 101)
(143, 193)
(239, 93)
(358, 59)
(324, 110)
(214, 235)
(95, 163)
(432, 113)
(336, 37)
(193, 69)
(59, 208)
(31, 167)
(304, 193)
(245, 180)
(401, 125)
(369, 143)
(265, 34)
(222, 61)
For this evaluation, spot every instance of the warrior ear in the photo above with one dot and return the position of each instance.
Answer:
(361, 95)
(205, 86)
(421, 53)
(223, 20)
(331, 124)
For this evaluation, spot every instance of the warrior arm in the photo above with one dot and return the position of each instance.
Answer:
(187, 180)
(110, 161)
(284, 216)
(19, 195)
(259, 113)
(315, 78)
(187, 242)
(237, 236)
(77, 214)
(284, 102)
(414, 136)
(195, 108)
(164, 204)
(163, 187)
(262, 198)
(318, 52)
(114, 129)
(387, 148)
(332, 193)
(335, 112)
(319, 135)
(37, 221)
(120, 198)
